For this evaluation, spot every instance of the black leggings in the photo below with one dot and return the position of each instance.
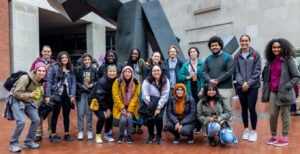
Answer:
(158, 122)
(66, 106)
(248, 102)
(102, 121)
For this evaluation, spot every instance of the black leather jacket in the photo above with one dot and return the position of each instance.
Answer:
(102, 91)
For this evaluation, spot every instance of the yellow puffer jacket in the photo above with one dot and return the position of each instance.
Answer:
(134, 104)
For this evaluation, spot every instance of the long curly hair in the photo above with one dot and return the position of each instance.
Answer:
(287, 49)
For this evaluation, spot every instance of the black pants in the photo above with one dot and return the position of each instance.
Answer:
(248, 102)
(65, 104)
(101, 121)
(158, 122)
(186, 130)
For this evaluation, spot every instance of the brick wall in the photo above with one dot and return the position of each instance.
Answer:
(4, 40)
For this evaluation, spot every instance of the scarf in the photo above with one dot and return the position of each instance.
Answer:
(127, 86)
(180, 101)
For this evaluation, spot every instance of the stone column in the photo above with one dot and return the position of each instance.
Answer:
(24, 40)
(95, 40)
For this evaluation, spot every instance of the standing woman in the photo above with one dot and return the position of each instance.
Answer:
(110, 58)
(181, 113)
(155, 94)
(247, 75)
(155, 59)
(281, 75)
(103, 93)
(138, 64)
(61, 86)
(86, 76)
(191, 74)
(126, 92)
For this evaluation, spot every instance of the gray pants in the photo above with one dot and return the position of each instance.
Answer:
(125, 123)
(20, 117)
(274, 112)
(83, 108)
(226, 93)
(186, 130)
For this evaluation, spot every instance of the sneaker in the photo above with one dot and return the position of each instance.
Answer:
(110, 132)
(134, 130)
(190, 140)
(139, 130)
(246, 134)
(129, 139)
(98, 139)
(67, 137)
(272, 140)
(158, 139)
(14, 148)
(149, 139)
(176, 140)
(80, 135)
(212, 141)
(89, 135)
(31, 145)
(280, 143)
(121, 139)
(198, 130)
(55, 139)
(38, 139)
(252, 136)
(108, 138)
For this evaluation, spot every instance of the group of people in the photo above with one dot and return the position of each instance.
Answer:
(179, 97)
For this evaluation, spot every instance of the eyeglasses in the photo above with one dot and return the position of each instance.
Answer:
(156, 70)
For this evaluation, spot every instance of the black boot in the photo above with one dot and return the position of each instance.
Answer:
(212, 141)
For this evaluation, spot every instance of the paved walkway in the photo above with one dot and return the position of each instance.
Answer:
(139, 146)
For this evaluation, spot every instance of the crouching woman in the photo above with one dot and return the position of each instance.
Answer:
(212, 111)
(27, 90)
(126, 91)
(181, 112)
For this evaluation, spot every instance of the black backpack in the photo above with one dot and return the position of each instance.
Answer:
(9, 82)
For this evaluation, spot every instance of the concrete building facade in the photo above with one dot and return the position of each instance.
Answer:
(27, 24)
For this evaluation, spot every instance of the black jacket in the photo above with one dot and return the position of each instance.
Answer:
(102, 91)
(81, 88)
(189, 115)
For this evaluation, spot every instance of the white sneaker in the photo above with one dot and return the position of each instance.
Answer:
(89, 135)
(98, 139)
(246, 134)
(252, 136)
(108, 138)
(80, 136)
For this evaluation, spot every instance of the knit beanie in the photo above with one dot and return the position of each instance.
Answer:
(38, 65)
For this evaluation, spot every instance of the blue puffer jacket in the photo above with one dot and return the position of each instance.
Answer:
(53, 84)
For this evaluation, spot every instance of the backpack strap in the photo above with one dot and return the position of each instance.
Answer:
(30, 80)
(226, 60)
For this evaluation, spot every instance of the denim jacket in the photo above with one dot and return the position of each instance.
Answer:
(53, 84)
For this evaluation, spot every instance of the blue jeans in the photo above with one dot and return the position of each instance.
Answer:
(125, 123)
(83, 108)
(20, 114)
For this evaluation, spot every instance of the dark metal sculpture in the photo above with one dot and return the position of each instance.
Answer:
(137, 24)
